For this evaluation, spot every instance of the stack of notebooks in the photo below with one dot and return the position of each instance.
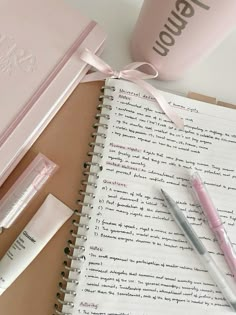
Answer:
(122, 253)
(40, 43)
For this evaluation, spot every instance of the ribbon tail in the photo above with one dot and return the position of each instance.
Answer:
(130, 73)
(94, 76)
(167, 109)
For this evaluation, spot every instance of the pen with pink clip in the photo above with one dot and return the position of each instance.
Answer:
(215, 222)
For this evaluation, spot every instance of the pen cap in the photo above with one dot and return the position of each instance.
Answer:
(205, 201)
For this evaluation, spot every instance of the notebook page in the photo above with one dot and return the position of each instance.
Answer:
(137, 260)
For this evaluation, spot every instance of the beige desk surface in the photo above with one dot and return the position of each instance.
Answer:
(64, 141)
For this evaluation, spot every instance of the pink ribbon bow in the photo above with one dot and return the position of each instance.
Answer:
(130, 73)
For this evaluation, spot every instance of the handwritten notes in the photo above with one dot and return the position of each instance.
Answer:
(137, 260)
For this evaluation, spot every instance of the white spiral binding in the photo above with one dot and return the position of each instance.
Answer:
(67, 286)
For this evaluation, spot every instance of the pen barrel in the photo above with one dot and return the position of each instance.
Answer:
(226, 247)
(227, 289)
(207, 205)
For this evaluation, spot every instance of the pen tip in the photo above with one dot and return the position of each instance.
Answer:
(166, 196)
(163, 192)
(196, 179)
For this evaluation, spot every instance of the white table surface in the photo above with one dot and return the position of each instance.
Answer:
(215, 76)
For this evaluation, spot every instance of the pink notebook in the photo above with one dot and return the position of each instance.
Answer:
(39, 68)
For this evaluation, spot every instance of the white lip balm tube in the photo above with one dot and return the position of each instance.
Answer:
(46, 222)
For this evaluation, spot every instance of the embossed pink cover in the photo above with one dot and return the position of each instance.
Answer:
(39, 68)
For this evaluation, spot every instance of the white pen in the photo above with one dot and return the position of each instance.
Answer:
(218, 277)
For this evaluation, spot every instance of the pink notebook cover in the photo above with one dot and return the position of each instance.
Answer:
(39, 68)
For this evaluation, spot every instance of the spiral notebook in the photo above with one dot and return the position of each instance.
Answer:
(125, 255)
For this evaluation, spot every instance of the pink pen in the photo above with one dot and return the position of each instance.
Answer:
(215, 222)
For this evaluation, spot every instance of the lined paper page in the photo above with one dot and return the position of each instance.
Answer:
(137, 260)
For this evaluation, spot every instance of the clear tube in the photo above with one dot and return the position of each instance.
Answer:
(24, 189)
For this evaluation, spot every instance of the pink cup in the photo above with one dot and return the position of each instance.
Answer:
(173, 35)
